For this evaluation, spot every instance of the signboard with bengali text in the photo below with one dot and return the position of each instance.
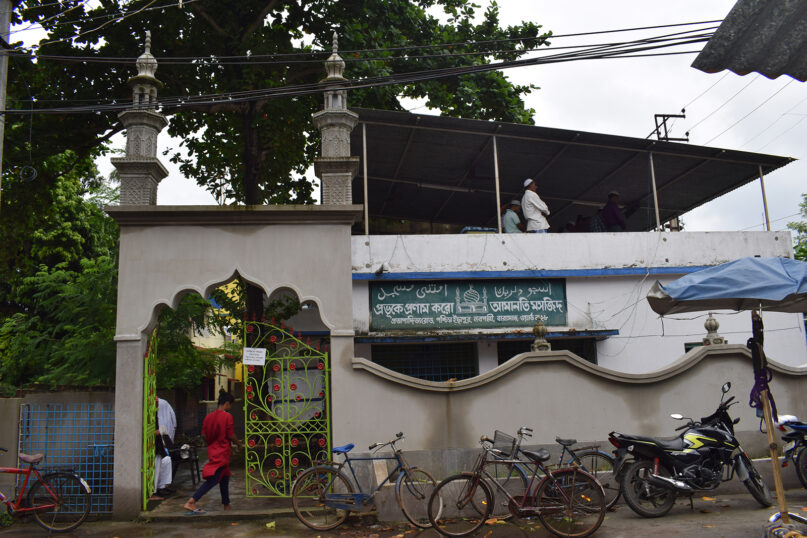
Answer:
(466, 304)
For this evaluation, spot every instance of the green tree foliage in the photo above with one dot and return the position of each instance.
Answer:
(65, 334)
(800, 227)
(256, 151)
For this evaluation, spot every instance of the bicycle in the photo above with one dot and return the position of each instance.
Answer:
(59, 501)
(569, 501)
(514, 477)
(323, 496)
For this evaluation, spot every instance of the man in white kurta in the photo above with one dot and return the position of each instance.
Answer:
(167, 422)
(534, 209)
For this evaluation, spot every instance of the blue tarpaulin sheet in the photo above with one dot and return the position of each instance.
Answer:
(778, 284)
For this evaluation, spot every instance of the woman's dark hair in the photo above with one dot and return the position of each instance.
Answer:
(225, 397)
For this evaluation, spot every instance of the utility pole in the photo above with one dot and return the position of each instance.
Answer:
(5, 22)
(661, 124)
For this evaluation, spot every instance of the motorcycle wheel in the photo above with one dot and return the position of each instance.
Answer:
(644, 498)
(801, 466)
(755, 485)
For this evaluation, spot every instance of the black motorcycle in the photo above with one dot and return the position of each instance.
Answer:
(653, 471)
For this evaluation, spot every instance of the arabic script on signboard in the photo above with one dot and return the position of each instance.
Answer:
(466, 304)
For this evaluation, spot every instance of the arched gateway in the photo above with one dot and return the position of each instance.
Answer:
(168, 251)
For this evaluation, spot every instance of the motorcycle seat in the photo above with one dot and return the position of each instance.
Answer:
(565, 442)
(667, 443)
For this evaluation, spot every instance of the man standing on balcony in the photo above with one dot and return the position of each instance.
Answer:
(534, 209)
(511, 223)
(612, 215)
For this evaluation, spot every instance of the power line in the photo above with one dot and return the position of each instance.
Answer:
(215, 61)
(318, 55)
(780, 135)
(752, 111)
(772, 123)
(403, 78)
(727, 101)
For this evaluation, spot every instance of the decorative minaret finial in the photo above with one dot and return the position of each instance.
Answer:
(335, 65)
(140, 171)
(336, 167)
(540, 343)
(711, 325)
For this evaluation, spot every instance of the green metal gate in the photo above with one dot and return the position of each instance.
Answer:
(149, 416)
(287, 405)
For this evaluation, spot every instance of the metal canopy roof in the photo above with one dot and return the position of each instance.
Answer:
(441, 170)
(767, 36)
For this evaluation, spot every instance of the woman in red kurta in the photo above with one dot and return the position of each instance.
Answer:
(217, 431)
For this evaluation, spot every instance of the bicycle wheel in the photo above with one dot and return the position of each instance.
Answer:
(601, 466)
(459, 505)
(801, 466)
(308, 498)
(61, 501)
(509, 477)
(570, 502)
(412, 491)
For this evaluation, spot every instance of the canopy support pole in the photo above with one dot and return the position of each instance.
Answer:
(364, 158)
(764, 199)
(498, 192)
(774, 449)
(655, 191)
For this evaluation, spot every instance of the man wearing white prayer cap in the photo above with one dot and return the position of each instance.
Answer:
(534, 209)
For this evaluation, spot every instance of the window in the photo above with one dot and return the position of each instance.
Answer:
(585, 348)
(432, 362)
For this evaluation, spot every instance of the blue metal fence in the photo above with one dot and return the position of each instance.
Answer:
(77, 437)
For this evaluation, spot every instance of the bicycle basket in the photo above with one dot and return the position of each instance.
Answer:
(504, 443)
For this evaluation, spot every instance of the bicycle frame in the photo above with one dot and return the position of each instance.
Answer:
(333, 500)
(532, 486)
(15, 507)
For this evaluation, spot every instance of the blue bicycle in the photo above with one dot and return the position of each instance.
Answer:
(323, 496)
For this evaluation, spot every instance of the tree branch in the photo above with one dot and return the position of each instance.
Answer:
(209, 19)
(258, 21)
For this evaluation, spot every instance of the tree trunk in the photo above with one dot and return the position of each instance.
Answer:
(252, 196)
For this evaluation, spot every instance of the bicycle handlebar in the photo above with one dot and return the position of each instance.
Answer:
(398, 437)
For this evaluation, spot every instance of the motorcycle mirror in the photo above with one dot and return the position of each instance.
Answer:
(677, 416)
(726, 387)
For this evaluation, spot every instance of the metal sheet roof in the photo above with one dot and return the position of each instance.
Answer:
(438, 169)
(766, 36)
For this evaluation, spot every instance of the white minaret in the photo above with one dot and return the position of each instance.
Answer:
(335, 168)
(141, 171)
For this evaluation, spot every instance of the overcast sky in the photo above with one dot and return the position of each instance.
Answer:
(621, 96)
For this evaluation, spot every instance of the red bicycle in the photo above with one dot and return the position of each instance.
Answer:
(59, 501)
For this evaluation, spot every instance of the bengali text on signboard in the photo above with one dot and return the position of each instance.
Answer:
(463, 304)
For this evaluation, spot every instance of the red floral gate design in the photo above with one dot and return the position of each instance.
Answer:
(287, 423)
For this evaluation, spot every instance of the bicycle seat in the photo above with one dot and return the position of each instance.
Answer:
(344, 449)
(565, 442)
(541, 454)
(36, 458)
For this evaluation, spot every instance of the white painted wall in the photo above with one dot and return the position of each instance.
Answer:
(595, 302)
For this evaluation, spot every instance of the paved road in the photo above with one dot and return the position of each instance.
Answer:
(728, 515)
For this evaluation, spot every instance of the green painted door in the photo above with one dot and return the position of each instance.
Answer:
(287, 423)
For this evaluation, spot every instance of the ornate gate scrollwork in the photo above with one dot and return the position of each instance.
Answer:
(149, 416)
(287, 405)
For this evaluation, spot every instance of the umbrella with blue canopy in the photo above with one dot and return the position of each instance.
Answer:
(775, 284)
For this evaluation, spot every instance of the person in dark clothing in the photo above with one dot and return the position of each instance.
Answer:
(612, 215)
